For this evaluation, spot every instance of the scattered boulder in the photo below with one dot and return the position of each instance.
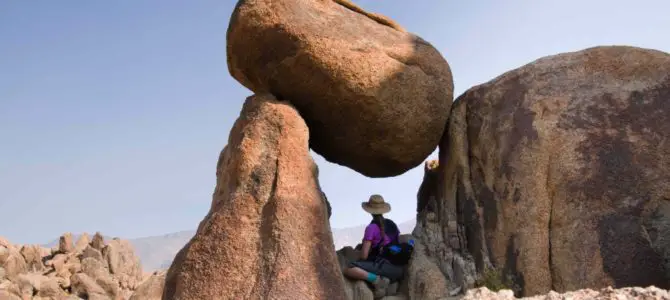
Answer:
(92, 253)
(7, 295)
(98, 241)
(65, 244)
(83, 242)
(86, 287)
(68, 274)
(375, 97)
(51, 287)
(4, 242)
(32, 254)
(267, 218)
(123, 263)
(30, 283)
(609, 293)
(57, 263)
(4, 254)
(559, 171)
(151, 288)
(14, 264)
(99, 273)
(358, 290)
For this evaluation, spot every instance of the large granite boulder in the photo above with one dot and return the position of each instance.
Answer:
(559, 171)
(375, 97)
(266, 235)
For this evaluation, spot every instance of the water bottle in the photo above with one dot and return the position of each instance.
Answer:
(411, 243)
(394, 249)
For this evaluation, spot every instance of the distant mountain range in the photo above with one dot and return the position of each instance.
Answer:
(157, 252)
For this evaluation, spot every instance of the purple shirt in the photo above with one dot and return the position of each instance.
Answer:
(374, 234)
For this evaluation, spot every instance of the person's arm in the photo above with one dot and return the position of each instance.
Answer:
(365, 250)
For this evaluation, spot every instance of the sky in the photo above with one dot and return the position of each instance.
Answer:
(113, 113)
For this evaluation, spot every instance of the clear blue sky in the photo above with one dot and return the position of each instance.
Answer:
(113, 113)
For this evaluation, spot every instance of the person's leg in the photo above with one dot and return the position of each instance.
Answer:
(360, 274)
(392, 272)
(363, 270)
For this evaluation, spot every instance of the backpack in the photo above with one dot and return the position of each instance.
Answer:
(398, 253)
(395, 252)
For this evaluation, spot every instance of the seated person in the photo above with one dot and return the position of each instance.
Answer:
(379, 233)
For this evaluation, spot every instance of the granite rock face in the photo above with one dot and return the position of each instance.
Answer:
(375, 97)
(557, 172)
(266, 235)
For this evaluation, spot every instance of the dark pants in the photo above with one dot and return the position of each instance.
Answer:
(381, 267)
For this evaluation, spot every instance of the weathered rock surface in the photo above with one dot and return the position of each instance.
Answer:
(6, 295)
(358, 289)
(37, 273)
(151, 288)
(440, 267)
(83, 242)
(32, 254)
(559, 171)
(84, 286)
(123, 263)
(375, 97)
(266, 234)
(14, 263)
(65, 244)
(631, 293)
(98, 241)
(355, 290)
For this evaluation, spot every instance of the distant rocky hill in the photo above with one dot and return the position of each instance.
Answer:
(157, 252)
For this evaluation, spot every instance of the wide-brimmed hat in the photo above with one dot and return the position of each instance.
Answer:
(376, 205)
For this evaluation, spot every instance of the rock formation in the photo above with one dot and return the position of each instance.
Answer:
(375, 97)
(266, 235)
(551, 177)
(68, 272)
(556, 174)
(151, 288)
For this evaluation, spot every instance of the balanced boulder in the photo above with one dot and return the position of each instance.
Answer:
(266, 235)
(560, 171)
(375, 97)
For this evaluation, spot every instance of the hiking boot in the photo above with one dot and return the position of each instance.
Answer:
(380, 285)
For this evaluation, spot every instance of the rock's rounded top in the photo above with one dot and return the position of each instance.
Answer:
(375, 97)
(606, 64)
